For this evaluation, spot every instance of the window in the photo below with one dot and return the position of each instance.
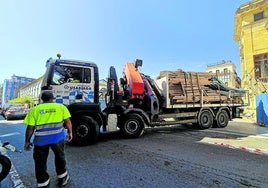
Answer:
(261, 66)
(226, 77)
(217, 72)
(258, 16)
(87, 76)
(225, 70)
(63, 74)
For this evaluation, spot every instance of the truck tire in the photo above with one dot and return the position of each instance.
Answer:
(205, 119)
(5, 165)
(133, 126)
(85, 131)
(221, 119)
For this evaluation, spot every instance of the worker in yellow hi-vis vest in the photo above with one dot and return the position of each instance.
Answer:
(45, 121)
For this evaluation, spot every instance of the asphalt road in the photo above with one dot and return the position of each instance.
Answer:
(177, 156)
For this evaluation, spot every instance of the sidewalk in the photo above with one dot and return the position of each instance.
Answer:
(256, 142)
(244, 120)
(249, 121)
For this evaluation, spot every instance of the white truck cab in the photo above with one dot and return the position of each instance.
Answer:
(72, 81)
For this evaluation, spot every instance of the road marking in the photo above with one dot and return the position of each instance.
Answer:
(10, 134)
(11, 122)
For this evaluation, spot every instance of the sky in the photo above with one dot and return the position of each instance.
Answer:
(166, 35)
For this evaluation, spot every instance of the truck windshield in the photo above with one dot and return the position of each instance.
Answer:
(63, 74)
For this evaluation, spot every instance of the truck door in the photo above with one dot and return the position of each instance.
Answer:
(72, 84)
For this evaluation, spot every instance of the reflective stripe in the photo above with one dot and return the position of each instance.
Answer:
(45, 133)
(43, 184)
(63, 175)
(51, 125)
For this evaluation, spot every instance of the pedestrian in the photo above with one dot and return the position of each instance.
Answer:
(45, 121)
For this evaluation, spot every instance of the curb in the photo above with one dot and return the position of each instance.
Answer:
(243, 148)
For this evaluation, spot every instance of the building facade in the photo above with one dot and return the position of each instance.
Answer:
(251, 32)
(1, 92)
(32, 89)
(11, 87)
(225, 71)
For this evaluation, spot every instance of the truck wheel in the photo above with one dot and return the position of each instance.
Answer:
(85, 131)
(5, 166)
(205, 119)
(133, 126)
(221, 119)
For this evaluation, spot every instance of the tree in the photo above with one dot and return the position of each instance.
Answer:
(24, 99)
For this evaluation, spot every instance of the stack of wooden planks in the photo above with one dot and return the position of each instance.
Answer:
(195, 87)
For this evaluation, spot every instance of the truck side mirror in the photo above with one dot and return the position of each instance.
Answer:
(46, 88)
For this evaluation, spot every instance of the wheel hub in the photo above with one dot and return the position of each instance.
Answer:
(132, 126)
(82, 130)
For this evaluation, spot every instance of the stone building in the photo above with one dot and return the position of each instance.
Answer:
(251, 32)
(225, 71)
(32, 89)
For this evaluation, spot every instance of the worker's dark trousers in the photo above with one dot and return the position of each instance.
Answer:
(40, 156)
